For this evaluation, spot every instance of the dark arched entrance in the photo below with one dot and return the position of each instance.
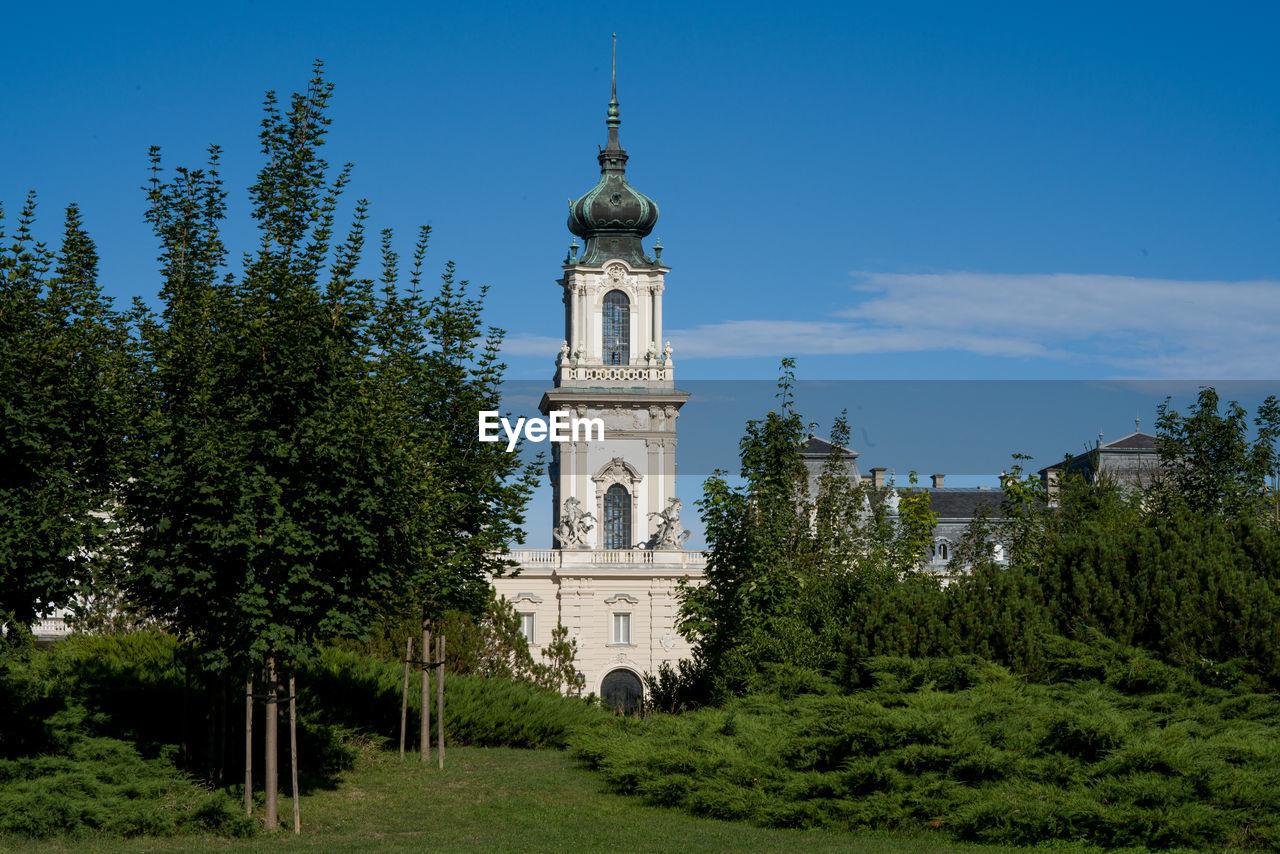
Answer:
(622, 691)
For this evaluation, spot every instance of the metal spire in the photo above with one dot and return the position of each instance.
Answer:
(613, 121)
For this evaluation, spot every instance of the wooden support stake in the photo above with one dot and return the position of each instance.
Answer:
(425, 736)
(440, 700)
(248, 746)
(293, 751)
(270, 766)
(404, 695)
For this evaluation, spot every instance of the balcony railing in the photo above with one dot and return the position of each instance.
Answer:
(50, 628)
(571, 373)
(556, 558)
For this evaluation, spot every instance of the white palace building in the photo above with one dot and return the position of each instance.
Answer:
(618, 557)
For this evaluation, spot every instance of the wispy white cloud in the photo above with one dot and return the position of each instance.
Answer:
(531, 345)
(1127, 325)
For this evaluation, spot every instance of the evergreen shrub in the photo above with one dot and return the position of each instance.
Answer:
(1114, 749)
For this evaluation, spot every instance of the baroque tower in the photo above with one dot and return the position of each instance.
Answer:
(612, 577)
(615, 365)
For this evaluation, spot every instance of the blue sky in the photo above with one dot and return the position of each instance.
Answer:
(1006, 191)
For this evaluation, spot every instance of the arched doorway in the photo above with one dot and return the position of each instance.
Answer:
(622, 691)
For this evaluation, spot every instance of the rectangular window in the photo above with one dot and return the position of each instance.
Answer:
(526, 627)
(622, 628)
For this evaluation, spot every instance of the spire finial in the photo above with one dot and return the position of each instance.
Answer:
(613, 121)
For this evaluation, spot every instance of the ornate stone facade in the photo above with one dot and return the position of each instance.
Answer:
(613, 577)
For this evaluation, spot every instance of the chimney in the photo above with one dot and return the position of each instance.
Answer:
(865, 480)
(1051, 485)
(877, 477)
(937, 481)
(1006, 478)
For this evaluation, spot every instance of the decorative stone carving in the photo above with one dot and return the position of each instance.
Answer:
(670, 535)
(668, 641)
(616, 273)
(575, 525)
(617, 470)
(626, 419)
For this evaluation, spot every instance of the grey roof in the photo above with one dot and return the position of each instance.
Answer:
(964, 503)
(1132, 442)
(815, 447)
(956, 502)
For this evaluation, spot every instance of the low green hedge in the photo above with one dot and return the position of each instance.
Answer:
(1120, 750)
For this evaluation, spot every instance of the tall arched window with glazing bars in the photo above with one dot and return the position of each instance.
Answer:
(617, 517)
(617, 328)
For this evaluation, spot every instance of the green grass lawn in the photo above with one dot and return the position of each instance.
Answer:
(498, 799)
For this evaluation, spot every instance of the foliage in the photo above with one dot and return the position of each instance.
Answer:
(490, 645)
(1203, 591)
(438, 365)
(1188, 572)
(304, 461)
(82, 755)
(103, 786)
(1208, 463)
(1118, 749)
(97, 727)
(259, 503)
(783, 568)
(364, 693)
(147, 689)
(62, 363)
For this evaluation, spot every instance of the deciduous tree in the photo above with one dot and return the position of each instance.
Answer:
(63, 359)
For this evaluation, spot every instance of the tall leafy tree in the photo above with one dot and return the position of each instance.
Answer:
(304, 461)
(63, 357)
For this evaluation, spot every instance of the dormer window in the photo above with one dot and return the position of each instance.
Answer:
(617, 328)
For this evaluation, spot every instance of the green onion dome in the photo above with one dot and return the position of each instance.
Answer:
(613, 216)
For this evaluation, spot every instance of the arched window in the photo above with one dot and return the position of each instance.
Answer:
(943, 552)
(617, 328)
(617, 518)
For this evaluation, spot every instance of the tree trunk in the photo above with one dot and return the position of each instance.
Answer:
(224, 720)
(404, 695)
(293, 750)
(248, 745)
(214, 700)
(425, 736)
(271, 737)
(440, 701)
(184, 748)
